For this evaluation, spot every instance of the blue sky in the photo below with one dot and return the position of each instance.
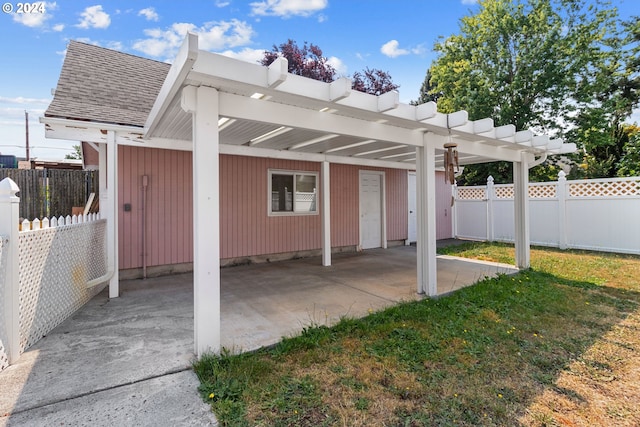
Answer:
(393, 35)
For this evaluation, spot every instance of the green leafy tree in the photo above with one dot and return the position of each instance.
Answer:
(608, 100)
(538, 64)
(76, 155)
(630, 162)
(427, 92)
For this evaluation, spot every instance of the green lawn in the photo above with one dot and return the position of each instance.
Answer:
(554, 345)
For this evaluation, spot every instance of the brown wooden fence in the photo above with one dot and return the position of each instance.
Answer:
(51, 192)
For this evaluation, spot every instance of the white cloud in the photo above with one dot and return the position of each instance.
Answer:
(149, 13)
(287, 8)
(338, 65)
(15, 116)
(21, 100)
(419, 50)
(211, 36)
(114, 45)
(392, 49)
(94, 17)
(58, 27)
(469, 2)
(35, 20)
(222, 3)
(246, 54)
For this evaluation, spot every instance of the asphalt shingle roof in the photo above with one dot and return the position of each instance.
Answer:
(103, 85)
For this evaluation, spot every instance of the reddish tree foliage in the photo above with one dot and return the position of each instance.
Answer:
(306, 61)
(375, 82)
(309, 62)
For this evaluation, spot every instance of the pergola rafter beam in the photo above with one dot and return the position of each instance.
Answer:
(296, 102)
(277, 72)
(241, 107)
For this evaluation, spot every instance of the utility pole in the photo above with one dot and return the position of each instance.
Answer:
(26, 130)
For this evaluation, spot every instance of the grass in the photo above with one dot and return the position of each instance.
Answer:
(558, 344)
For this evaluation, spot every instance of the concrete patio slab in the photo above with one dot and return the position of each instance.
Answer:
(259, 308)
(126, 361)
(125, 353)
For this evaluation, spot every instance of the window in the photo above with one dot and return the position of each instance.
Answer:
(292, 193)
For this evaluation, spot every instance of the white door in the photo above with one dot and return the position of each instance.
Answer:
(371, 210)
(412, 233)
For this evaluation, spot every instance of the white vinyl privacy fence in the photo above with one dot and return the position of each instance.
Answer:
(48, 270)
(596, 214)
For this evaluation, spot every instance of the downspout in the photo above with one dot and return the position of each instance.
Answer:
(145, 183)
(106, 177)
(101, 279)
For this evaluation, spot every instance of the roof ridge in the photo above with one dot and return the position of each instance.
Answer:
(91, 45)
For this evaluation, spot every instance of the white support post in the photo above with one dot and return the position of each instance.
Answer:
(203, 103)
(108, 161)
(521, 210)
(490, 198)
(454, 210)
(9, 220)
(326, 214)
(561, 194)
(426, 213)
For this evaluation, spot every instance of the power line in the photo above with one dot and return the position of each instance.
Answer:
(38, 146)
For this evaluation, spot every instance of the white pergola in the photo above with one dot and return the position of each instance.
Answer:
(211, 104)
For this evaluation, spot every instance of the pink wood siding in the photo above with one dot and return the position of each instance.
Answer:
(246, 229)
(90, 157)
(397, 204)
(344, 205)
(168, 210)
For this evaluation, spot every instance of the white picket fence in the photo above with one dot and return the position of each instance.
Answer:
(47, 271)
(597, 214)
(38, 224)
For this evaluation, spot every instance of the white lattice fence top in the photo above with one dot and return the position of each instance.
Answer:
(4, 358)
(602, 188)
(542, 191)
(536, 191)
(503, 192)
(471, 193)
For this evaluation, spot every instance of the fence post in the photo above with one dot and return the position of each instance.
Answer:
(490, 196)
(561, 192)
(10, 214)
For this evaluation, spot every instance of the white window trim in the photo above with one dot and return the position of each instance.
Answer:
(292, 173)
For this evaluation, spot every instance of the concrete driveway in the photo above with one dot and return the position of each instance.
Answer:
(126, 361)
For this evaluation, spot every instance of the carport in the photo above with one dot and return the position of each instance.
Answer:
(142, 348)
(211, 104)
